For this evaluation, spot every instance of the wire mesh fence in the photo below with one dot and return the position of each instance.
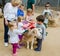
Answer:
(55, 4)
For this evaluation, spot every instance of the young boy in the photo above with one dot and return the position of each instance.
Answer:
(20, 11)
(47, 12)
(39, 24)
(47, 9)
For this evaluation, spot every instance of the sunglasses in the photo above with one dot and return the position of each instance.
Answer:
(47, 6)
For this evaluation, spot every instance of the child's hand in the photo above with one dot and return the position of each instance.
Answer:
(33, 13)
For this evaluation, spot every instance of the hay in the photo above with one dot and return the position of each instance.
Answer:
(55, 21)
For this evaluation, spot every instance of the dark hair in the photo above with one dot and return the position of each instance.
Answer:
(40, 18)
(47, 3)
(20, 18)
(22, 4)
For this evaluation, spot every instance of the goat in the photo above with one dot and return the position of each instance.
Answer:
(29, 36)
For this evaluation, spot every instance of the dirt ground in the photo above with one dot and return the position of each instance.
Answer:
(50, 47)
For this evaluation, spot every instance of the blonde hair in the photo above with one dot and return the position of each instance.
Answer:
(16, 1)
(29, 10)
(11, 24)
(20, 5)
(20, 18)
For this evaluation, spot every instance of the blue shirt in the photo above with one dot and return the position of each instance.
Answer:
(20, 12)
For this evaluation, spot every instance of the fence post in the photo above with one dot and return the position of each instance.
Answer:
(58, 5)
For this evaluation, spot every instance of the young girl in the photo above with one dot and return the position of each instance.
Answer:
(29, 21)
(13, 34)
(29, 15)
(21, 29)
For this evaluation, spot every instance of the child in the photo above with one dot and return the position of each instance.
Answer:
(29, 21)
(47, 12)
(47, 9)
(46, 19)
(29, 15)
(20, 11)
(21, 29)
(20, 24)
(40, 21)
(30, 25)
(13, 33)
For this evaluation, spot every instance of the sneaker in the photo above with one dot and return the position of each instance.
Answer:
(36, 49)
(6, 44)
(46, 33)
(19, 46)
(14, 54)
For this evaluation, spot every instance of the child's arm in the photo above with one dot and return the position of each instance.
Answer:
(6, 12)
(43, 12)
(43, 33)
(51, 13)
(16, 31)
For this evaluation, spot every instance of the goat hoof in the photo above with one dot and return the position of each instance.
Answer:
(31, 48)
(27, 47)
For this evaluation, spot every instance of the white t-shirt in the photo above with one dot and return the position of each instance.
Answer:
(48, 11)
(10, 12)
(13, 36)
(20, 27)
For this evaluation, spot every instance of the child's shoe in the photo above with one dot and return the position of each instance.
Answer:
(37, 49)
(46, 33)
(14, 54)
(19, 46)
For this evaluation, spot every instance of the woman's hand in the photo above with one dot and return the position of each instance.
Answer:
(6, 22)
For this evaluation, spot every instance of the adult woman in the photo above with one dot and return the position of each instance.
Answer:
(10, 14)
(31, 4)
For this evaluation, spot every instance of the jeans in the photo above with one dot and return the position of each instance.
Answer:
(39, 41)
(5, 32)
